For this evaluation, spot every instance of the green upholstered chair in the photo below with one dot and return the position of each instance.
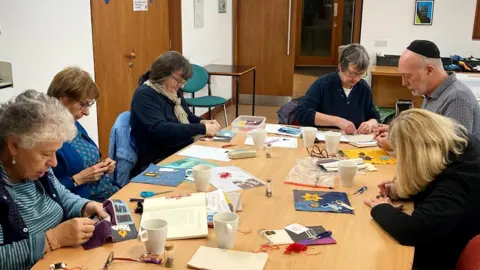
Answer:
(196, 83)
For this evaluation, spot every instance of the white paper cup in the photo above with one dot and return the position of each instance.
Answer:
(347, 170)
(259, 136)
(153, 233)
(225, 224)
(309, 134)
(201, 175)
(332, 140)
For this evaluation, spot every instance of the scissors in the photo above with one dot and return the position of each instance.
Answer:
(148, 194)
(344, 205)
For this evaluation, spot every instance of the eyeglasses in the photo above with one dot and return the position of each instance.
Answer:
(180, 82)
(86, 104)
(318, 152)
(145, 258)
(353, 74)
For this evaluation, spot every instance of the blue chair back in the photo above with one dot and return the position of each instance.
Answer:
(122, 149)
(198, 81)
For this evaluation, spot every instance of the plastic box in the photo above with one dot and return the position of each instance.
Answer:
(247, 123)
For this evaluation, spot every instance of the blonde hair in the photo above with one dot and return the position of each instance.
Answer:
(73, 83)
(423, 141)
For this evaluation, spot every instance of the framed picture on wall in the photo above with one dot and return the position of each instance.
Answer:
(423, 12)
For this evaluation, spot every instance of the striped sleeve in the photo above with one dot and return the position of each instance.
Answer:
(22, 254)
(72, 203)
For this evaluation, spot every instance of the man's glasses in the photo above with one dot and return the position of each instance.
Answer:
(180, 82)
(86, 104)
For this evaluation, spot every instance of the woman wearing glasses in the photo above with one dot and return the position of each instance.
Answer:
(80, 168)
(161, 122)
(342, 99)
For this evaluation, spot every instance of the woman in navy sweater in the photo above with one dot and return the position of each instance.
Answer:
(80, 168)
(342, 99)
(161, 122)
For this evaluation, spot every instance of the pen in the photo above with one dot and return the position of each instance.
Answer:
(228, 145)
(325, 187)
(272, 141)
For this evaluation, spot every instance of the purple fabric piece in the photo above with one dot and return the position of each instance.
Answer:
(101, 233)
(322, 241)
(103, 229)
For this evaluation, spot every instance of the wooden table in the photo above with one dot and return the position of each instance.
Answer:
(387, 87)
(362, 244)
(234, 71)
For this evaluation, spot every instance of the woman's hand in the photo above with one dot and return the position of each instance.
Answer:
(70, 233)
(388, 189)
(213, 122)
(211, 129)
(94, 208)
(376, 201)
(367, 127)
(111, 164)
(382, 142)
(346, 126)
(91, 174)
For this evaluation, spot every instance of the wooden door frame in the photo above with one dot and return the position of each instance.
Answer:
(357, 21)
(175, 24)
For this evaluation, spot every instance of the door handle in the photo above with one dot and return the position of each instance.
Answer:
(132, 55)
(289, 25)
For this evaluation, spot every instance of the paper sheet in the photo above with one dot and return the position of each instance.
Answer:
(276, 142)
(216, 259)
(205, 152)
(234, 179)
(349, 138)
(321, 137)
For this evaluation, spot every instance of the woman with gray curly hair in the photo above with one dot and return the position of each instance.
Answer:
(37, 213)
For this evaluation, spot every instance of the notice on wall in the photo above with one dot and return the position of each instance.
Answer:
(140, 5)
(198, 13)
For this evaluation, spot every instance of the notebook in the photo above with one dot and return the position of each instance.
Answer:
(158, 175)
(186, 215)
(321, 201)
(221, 259)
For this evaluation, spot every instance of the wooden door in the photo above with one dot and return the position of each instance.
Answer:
(262, 38)
(125, 43)
(318, 24)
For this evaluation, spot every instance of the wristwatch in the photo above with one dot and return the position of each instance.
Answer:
(74, 183)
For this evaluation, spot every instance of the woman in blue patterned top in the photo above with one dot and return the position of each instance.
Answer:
(80, 168)
(37, 214)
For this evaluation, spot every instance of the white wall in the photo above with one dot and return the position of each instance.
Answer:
(211, 44)
(40, 38)
(393, 20)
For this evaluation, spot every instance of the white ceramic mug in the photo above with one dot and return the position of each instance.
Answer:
(153, 233)
(347, 170)
(309, 134)
(259, 136)
(332, 140)
(201, 175)
(225, 225)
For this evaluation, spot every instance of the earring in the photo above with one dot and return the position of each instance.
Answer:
(13, 160)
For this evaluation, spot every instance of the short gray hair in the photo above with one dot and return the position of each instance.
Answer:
(35, 118)
(356, 55)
